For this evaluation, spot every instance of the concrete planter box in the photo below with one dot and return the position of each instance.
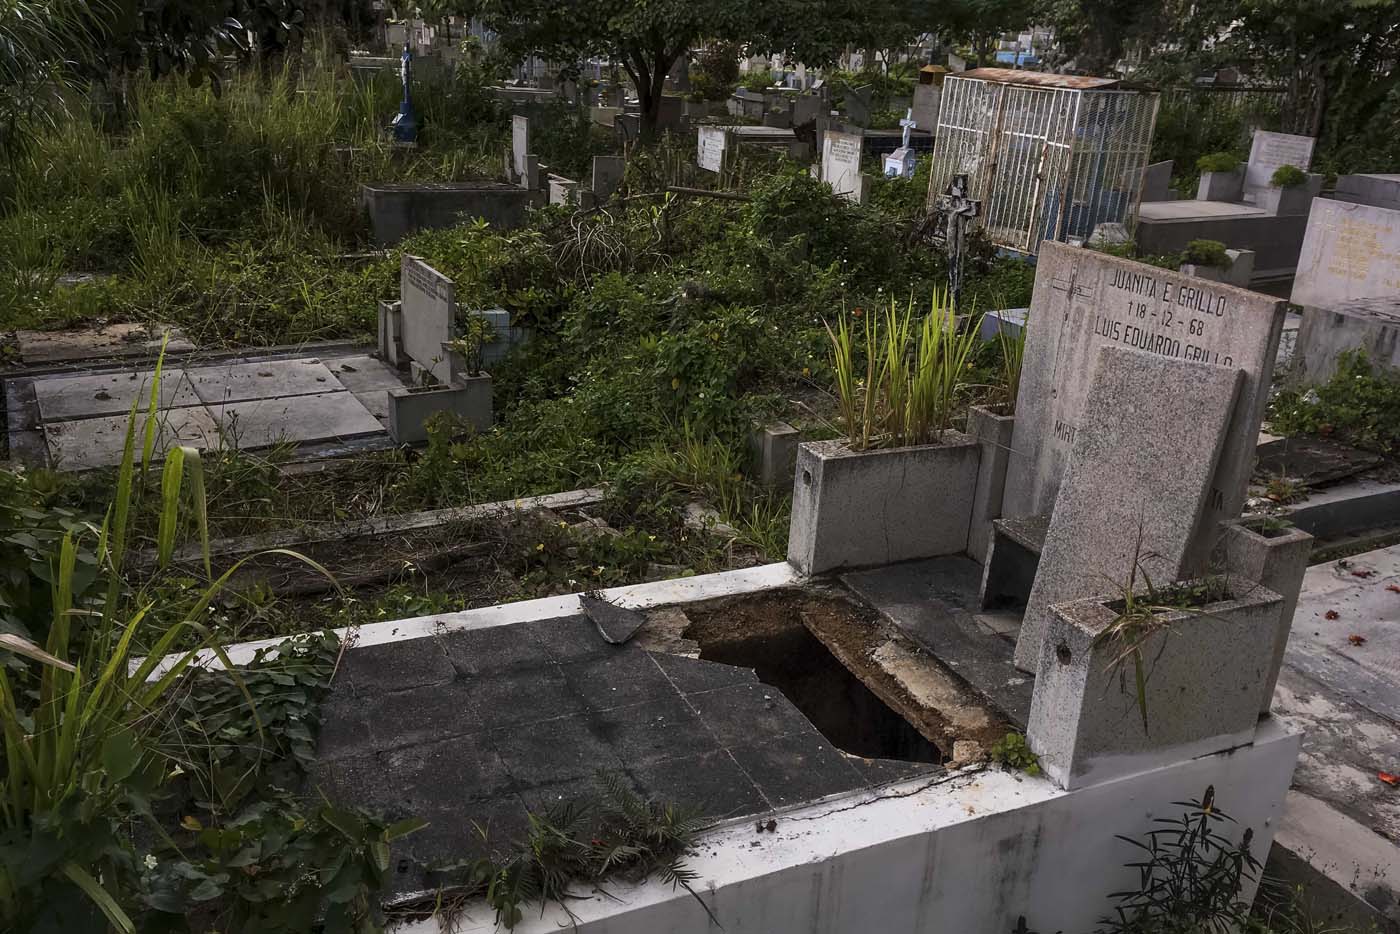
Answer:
(1205, 676)
(1276, 560)
(993, 434)
(1290, 201)
(861, 508)
(409, 409)
(1221, 186)
(397, 210)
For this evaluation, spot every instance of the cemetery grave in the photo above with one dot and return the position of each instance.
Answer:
(1019, 634)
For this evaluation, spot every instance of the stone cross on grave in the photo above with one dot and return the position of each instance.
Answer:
(908, 122)
(404, 126)
(955, 210)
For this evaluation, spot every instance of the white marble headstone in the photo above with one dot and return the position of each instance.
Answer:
(428, 305)
(841, 163)
(710, 146)
(519, 145)
(1268, 153)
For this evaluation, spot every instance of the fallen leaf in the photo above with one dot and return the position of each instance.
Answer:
(1332, 614)
(1388, 778)
(1393, 588)
(1356, 640)
(1363, 573)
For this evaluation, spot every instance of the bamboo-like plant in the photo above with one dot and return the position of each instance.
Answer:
(81, 757)
(914, 369)
(1013, 352)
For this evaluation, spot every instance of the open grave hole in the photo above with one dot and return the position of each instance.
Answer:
(770, 634)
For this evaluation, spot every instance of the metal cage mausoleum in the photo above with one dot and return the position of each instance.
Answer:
(1049, 156)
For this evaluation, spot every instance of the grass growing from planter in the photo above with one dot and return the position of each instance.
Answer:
(914, 369)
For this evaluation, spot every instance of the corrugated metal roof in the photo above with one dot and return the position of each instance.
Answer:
(1039, 79)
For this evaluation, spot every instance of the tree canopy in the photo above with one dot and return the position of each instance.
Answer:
(649, 36)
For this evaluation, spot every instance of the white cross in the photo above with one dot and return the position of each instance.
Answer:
(908, 123)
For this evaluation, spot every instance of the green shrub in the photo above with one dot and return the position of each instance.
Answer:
(1288, 176)
(1206, 253)
(1359, 405)
(1218, 162)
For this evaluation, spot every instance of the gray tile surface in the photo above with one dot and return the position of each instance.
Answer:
(66, 397)
(261, 423)
(97, 442)
(485, 724)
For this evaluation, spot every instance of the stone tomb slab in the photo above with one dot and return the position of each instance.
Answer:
(127, 339)
(1083, 301)
(260, 423)
(370, 379)
(87, 443)
(479, 741)
(428, 305)
(241, 382)
(1139, 475)
(1350, 252)
(67, 397)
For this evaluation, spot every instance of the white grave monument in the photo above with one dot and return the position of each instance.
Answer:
(901, 162)
(1268, 153)
(709, 148)
(841, 164)
(519, 143)
(428, 306)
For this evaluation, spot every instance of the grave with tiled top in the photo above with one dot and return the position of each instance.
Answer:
(484, 725)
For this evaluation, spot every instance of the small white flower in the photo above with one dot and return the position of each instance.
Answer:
(151, 861)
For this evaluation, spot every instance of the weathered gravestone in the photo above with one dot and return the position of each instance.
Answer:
(427, 308)
(1381, 191)
(1350, 252)
(710, 145)
(607, 175)
(858, 102)
(1084, 300)
(1268, 153)
(1157, 182)
(1139, 475)
(841, 164)
(520, 148)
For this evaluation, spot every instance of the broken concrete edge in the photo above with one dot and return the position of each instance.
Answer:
(632, 596)
(314, 533)
(1351, 873)
(1347, 509)
(897, 833)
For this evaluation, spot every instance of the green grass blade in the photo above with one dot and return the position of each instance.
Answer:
(100, 897)
(170, 481)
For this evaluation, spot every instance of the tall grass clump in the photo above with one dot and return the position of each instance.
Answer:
(914, 368)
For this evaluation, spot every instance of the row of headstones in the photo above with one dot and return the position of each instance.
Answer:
(523, 169)
(1141, 397)
(774, 107)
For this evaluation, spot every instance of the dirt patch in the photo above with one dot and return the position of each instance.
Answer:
(901, 678)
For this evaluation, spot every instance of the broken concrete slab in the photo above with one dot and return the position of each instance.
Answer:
(616, 624)
(66, 397)
(260, 423)
(88, 443)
